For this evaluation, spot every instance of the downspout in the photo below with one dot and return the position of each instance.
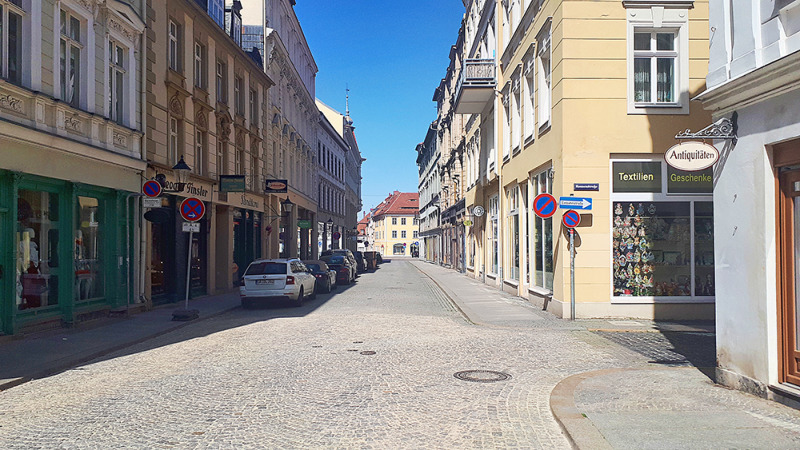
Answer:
(140, 222)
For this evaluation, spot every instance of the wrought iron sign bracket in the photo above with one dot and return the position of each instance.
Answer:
(724, 129)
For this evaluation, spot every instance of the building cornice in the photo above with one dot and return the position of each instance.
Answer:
(761, 84)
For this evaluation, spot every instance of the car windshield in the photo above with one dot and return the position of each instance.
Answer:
(313, 267)
(266, 268)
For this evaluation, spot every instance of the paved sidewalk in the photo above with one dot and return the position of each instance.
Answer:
(646, 407)
(46, 353)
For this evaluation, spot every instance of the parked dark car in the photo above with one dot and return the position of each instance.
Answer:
(372, 259)
(347, 254)
(326, 277)
(361, 263)
(345, 271)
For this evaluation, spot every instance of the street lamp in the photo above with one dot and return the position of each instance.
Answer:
(181, 171)
(287, 205)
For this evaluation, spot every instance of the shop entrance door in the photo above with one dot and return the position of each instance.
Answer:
(789, 274)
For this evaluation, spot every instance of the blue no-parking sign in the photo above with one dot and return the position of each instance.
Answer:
(571, 219)
(151, 188)
(192, 209)
(545, 205)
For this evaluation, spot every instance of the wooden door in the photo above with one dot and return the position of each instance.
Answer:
(789, 274)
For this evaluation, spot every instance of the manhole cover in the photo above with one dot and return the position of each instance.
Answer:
(367, 352)
(482, 376)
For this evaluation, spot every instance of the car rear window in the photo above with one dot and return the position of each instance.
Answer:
(314, 267)
(266, 268)
(336, 260)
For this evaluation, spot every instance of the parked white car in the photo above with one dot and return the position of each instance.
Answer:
(277, 278)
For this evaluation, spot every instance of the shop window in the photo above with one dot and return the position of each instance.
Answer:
(493, 233)
(662, 234)
(11, 14)
(399, 249)
(513, 232)
(37, 240)
(89, 280)
(542, 237)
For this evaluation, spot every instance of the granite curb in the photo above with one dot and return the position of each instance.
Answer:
(68, 363)
(579, 429)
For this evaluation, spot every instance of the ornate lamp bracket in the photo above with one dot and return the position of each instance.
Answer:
(722, 129)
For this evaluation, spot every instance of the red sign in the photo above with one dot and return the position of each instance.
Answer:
(192, 209)
(545, 205)
(151, 188)
(571, 219)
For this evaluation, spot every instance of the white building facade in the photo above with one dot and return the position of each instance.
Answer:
(754, 84)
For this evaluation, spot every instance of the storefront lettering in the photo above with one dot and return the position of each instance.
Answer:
(702, 178)
(191, 189)
(249, 203)
(636, 176)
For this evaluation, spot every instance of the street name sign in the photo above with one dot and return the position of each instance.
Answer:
(571, 219)
(581, 203)
(544, 205)
(586, 186)
(192, 209)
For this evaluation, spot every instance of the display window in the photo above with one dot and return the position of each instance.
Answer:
(89, 280)
(662, 243)
(37, 249)
(542, 236)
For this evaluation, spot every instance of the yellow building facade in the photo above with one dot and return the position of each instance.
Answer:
(588, 98)
(396, 225)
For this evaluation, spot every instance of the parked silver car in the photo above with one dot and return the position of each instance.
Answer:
(277, 278)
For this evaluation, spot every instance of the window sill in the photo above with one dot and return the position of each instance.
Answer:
(543, 128)
(536, 290)
(658, 108)
(516, 150)
(492, 276)
(513, 283)
(529, 139)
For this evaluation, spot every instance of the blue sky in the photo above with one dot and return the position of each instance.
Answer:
(392, 56)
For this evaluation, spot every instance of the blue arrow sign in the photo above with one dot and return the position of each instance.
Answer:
(581, 203)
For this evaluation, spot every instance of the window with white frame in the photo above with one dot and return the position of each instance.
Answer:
(238, 159)
(506, 124)
(528, 97)
(222, 82)
(71, 47)
(394, 234)
(655, 54)
(544, 67)
(11, 15)
(516, 117)
(238, 95)
(658, 59)
(541, 236)
(403, 234)
(402, 221)
(199, 65)
(174, 47)
(253, 107)
(200, 152)
(174, 140)
(116, 80)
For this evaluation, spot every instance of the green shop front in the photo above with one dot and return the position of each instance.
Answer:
(65, 251)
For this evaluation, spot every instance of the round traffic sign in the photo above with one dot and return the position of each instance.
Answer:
(151, 188)
(545, 205)
(192, 209)
(571, 219)
(336, 235)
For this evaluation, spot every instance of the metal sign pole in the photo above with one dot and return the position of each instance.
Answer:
(572, 272)
(188, 268)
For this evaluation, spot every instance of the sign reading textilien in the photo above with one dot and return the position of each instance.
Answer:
(692, 156)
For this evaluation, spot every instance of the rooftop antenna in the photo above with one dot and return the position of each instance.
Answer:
(347, 100)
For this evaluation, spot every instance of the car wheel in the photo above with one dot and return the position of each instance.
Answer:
(313, 292)
(328, 287)
(299, 301)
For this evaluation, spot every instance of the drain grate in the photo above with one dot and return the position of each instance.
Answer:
(482, 376)
(367, 352)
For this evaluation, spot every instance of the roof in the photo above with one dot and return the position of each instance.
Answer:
(399, 203)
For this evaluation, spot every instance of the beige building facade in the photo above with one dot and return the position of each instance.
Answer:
(583, 99)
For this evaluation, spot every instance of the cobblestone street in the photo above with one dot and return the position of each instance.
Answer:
(278, 377)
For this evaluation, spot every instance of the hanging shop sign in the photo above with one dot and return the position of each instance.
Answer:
(231, 183)
(691, 156)
(304, 224)
(192, 209)
(467, 223)
(571, 219)
(478, 211)
(276, 186)
(636, 176)
(545, 205)
(151, 188)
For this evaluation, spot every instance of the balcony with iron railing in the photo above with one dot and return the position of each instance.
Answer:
(475, 85)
